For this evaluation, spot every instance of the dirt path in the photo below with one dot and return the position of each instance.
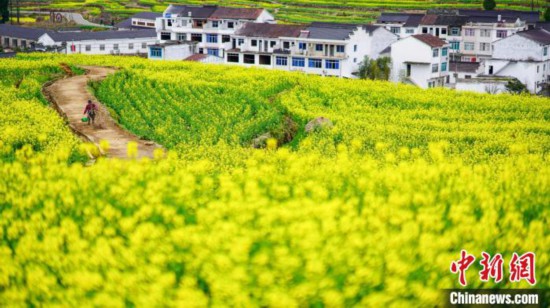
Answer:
(70, 95)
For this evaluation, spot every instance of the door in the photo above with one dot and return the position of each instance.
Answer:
(266, 45)
(234, 44)
(408, 70)
(436, 31)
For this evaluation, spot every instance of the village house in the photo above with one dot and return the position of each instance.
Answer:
(524, 56)
(210, 27)
(421, 60)
(129, 42)
(16, 37)
(401, 24)
(327, 49)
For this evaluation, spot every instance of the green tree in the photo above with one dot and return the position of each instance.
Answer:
(4, 11)
(516, 87)
(546, 15)
(489, 5)
(378, 69)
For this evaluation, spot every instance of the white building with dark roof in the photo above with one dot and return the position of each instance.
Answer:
(327, 49)
(210, 27)
(421, 60)
(142, 20)
(16, 37)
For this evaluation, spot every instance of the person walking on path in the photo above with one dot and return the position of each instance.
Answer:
(90, 111)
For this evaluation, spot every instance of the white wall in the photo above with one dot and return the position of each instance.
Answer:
(518, 47)
(380, 40)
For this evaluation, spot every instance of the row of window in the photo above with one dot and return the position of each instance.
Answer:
(131, 46)
(435, 67)
(485, 33)
(284, 61)
(444, 52)
(215, 23)
(471, 46)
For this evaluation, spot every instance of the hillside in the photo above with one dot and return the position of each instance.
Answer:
(367, 212)
(300, 11)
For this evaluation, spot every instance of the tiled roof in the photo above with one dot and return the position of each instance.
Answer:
(408, 20)
(540, 36)
(428, 19)
(101, 35)
(335, 31)
(127, 23)
(430, 40)
(509, 15)
(413, 20)
(196, 57)
(195, 11)
(251, 29)
(21, 32)
(466, 67)
(236, 13)
(544, 25)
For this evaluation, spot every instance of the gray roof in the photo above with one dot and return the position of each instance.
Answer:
(544, 25)
(196, 11)
(407, 19)
(335, 31)
(21, 32)
(465, 67)
(509, 15)
(252, 29)
(540, 36)
(101, 35)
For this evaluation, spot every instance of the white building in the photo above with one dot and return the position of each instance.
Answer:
(170, 51)
(401, 24)
(321, 48)
(422, 60)
(101, 42)
(142, 20)
(524, 56)
(211, 27)
(15, 37)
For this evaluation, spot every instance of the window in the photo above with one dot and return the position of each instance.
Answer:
(455, 45)
(155, 52)
(226, 38)
(485, 33)
(165, 36)
(182, 36)
(538, 69)
(332, 64)
(435, 52)
(444, 66)
(395, 30)
(281, 61)
(131, 46)
(254, 43)
(102, 47)
(491, 69)
(467, 76)
(88, 47)
(240, 42)
(455, 31)
(340, 48)
(213, 52)
(315, 63)
(265, 59)
(115, 46)
(444, 51)
(469, 46)
(298, 62)
(469, 32)
(215, 24)
(211, 38)
(435, 68)
(354, 60)
(302, 46)
(424, 30)
(545, 51)
(196, 37)
(272, 44)
(249, 59)
(355, 48)
(444, 31)
(233, 57)
(502, 33)
(409, 30)
(286, 45)
(318, 47)
(484, 46)
(169, 22)
(230, 25)
(143, 45)
(23, 43)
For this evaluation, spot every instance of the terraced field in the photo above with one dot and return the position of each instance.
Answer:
(285, 10)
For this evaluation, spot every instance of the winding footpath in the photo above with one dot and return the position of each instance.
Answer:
(69, 96)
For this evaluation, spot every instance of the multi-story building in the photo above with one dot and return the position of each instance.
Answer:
(422, 60)
(321, 48)
(477, 37)
(210, 27)
(524, 56)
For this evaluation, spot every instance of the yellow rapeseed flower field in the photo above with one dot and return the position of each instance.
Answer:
(368, 212)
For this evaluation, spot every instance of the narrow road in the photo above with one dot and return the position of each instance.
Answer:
(76, 17)
(70, 95)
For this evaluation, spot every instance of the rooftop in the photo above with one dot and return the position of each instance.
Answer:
(335, 31)
(432, 41)
(127, 23)
(214, 12)
(251, 29)
(540, 36)
(21, 32)
(466, 67)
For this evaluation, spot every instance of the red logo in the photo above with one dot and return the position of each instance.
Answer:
(462, 265)
(523, 268)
